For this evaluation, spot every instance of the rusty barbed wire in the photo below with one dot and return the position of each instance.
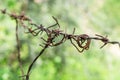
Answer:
(80, 42)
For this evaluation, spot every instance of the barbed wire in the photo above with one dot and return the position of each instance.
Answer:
(80, 42)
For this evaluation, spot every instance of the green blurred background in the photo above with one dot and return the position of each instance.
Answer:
(63, 62)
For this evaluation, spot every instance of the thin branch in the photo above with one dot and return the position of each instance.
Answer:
(31, 65)
(18, 49)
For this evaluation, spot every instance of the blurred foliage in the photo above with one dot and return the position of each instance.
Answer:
(62, 62)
